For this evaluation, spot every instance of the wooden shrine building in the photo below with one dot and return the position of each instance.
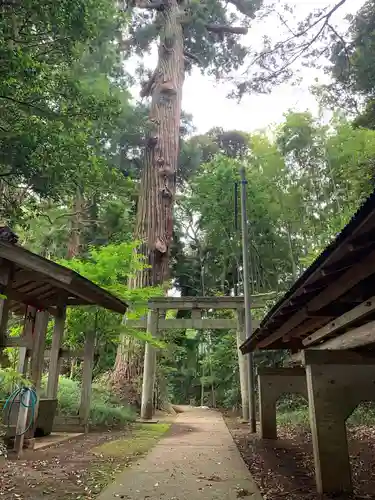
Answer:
(39, 289)
(327, 322)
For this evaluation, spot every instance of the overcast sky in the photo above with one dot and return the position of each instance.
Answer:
(210, 107)
(207, 101)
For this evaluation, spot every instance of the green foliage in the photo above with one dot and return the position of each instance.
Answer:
(105, 409)
(352, 68)
(305, 180)
(216, 52)
(52, 116)
(10, 379)
(110, 267)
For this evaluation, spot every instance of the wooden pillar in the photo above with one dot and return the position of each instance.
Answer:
(243, 367)
(24, 352)
(149, 367)
(23, 364)
(88, 365)
(36, 371)
(6, 272)
(39, 342)
(55, 359)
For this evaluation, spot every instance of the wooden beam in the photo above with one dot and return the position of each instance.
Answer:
(189, 323)
(23, 411)
(23, 298)
(187, 303)
(344, 320)
(37, 355)
(6, 271)
(196, 314)
(336, 357)
(24, 258)
(358, 337)
(345, 282)
(55, 359)
(88, 365)
(307, 326)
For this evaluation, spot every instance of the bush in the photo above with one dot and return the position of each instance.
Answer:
(110, 416)
(105, 408)
(69, 396)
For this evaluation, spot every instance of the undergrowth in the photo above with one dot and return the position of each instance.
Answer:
(294, 410)
(105, 409)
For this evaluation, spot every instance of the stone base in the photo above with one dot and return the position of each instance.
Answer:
(273, 383)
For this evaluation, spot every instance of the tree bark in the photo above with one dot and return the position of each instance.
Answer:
(75, 239)
(158, 185)
(154, 224)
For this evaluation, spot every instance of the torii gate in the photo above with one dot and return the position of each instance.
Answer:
(196, 305)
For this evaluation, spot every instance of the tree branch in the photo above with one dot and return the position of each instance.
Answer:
(286, 52)
(146, 89)
(246, 7)
(222, 28)
(154, 5)
(193, 57)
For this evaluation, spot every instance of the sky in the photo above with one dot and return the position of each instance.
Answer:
(207, 101)
(210, 107)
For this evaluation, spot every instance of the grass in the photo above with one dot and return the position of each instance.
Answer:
(296, 417)
(116, 455)
(141, 439)
(297, 413)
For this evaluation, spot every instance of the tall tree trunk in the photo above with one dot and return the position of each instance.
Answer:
(75, 239)
(158, 184)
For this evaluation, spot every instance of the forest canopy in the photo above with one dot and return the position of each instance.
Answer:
(120, 187)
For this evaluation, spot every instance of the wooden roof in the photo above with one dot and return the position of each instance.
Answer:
(41, 283)
(342, 277)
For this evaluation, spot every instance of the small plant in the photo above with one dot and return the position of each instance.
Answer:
(105, 409)
(10, 379)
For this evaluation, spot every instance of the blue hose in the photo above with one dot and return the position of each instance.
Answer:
(22, 393)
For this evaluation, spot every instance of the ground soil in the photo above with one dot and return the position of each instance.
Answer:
(284, 469)
(70, 470)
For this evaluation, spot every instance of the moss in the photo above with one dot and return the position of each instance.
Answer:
(115, 455)
(139, 441)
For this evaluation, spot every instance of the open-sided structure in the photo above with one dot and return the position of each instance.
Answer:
(38, 288)
(198, 307)
(327, 319)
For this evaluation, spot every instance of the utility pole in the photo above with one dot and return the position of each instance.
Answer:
(247, 297)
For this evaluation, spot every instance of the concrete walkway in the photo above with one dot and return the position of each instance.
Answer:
(196, 459)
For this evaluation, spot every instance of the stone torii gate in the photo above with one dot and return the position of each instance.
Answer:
(198, 306)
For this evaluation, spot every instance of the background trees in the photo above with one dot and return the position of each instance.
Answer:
(79, 159)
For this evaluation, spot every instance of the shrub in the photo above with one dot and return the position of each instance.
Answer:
(105, 408)
(69, 396)
(102, 414)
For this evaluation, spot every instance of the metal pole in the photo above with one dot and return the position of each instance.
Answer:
(247, 296)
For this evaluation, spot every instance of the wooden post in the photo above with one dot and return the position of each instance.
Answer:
(55, 359)
(23, 413)
(24, 352)
(37, 358)
(88, 365)
(6, 272)
(243, 365)
(149, 367)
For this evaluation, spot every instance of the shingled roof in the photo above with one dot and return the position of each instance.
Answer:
(338, 280)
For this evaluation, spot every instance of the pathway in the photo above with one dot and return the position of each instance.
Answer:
(196, 459)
